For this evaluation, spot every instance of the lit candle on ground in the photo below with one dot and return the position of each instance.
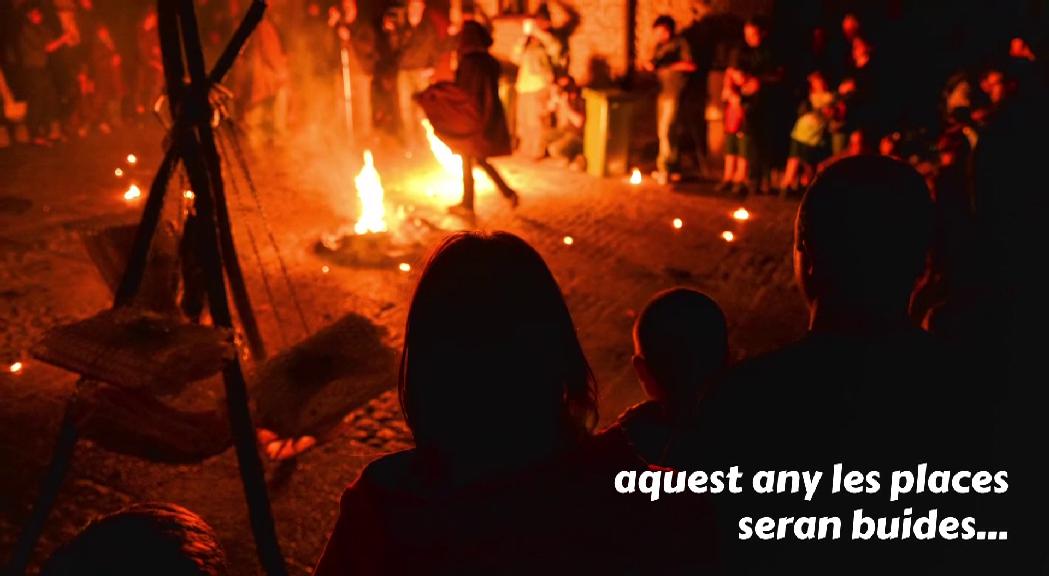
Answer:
(635, 177)
(133, 193)
(728, 236)
(15, 367)
(189, 195)
(325, 269)
(119, 172)
(404, 267)
(568, 240)
(678, 223)
(741, 214)
(132, 159)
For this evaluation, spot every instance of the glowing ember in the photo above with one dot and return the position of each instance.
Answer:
(15, 367)
(568, 240)
(728, 236)
(635, 177)
(370, 193)
(133, 193)
(189, 195)
(678, 223)
(404, 267)
(119, 172)
(325, 269)
(450, 189)
(132, 159)
(741, 214)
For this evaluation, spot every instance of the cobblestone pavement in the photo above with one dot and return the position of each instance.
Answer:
(624, 247)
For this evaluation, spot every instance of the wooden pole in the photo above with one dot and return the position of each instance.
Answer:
(213, 165)
(50, 485)
(200, 157)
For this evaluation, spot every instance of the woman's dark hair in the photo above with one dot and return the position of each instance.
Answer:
(474, 38)
(491, 359)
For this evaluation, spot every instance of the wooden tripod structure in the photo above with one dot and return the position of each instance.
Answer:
(191, 141)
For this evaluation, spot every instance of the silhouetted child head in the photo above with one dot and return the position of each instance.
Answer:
(862, 233)
(755, 30)
(664, 28)
(153, 538)
(680, 343)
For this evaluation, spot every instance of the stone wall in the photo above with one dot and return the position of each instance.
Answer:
(603, 36)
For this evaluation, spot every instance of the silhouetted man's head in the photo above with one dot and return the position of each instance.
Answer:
(862, 233)
(680, 342)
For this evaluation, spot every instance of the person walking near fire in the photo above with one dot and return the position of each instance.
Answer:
(468, 115)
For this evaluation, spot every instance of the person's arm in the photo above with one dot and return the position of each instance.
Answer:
(685, 62)
(550, 43)
(57, 43)
(576, 117)
(567, 28)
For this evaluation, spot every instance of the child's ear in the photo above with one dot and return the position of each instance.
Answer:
(644, 375)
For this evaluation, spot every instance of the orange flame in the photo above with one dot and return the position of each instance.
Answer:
(370, 193)
(450, 188)
(635, 177)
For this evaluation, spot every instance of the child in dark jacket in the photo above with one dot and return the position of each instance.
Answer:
(680, 346)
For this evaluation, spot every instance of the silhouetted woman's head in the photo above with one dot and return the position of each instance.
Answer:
(491, 359)
(474, 38)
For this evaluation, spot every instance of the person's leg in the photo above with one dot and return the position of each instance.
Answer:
(790, 173)
(555, 149)
(39, 114)
(362, 107)
(520, 126)
(406, 108)
(497, 179)
(665, 104)
(729, 170)
(468, 184)
(742, 159)
(530, 123)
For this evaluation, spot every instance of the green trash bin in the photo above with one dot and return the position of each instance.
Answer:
(606, 138)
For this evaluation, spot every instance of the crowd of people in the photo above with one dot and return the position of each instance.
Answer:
(788, 105)
(926, 308)
(509, 475)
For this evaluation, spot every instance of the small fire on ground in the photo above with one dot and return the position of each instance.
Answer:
(370, 193)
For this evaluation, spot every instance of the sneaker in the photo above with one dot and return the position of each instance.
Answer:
(724, 186)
